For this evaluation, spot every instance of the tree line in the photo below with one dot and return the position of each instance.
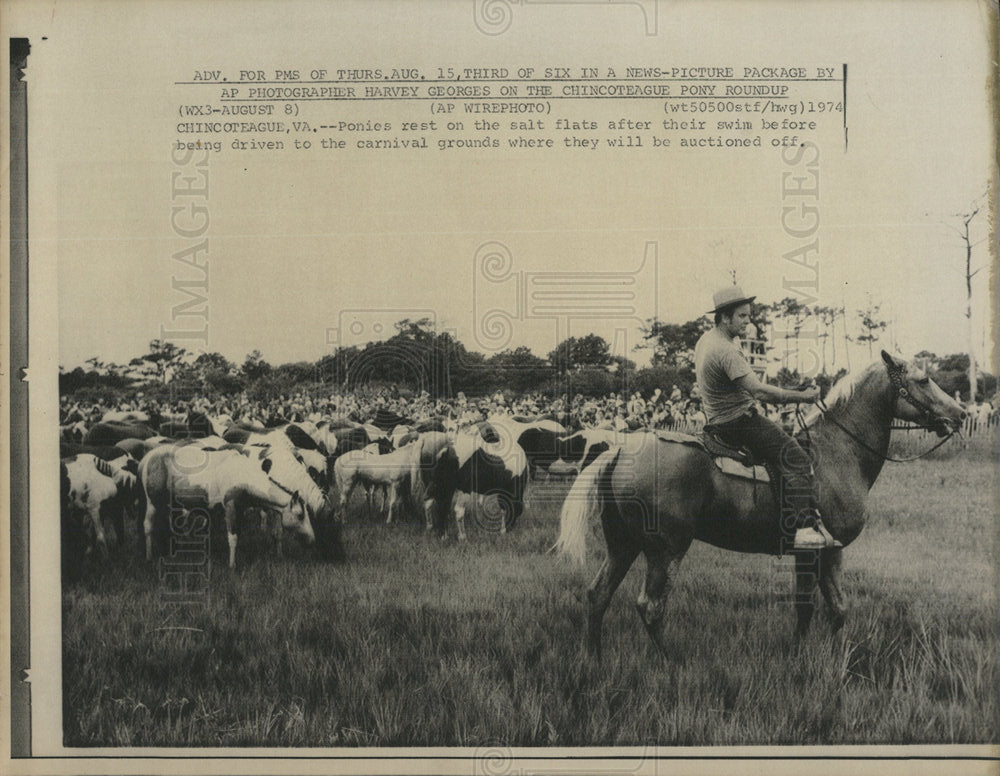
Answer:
(418, 358)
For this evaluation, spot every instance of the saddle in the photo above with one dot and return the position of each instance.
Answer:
(734, 461)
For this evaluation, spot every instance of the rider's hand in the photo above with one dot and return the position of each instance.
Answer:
(808, 393)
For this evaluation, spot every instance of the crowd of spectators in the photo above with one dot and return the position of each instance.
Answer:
(673, 408)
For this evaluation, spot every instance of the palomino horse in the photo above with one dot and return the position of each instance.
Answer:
(657, 497)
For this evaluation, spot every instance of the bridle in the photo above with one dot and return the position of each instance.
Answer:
(900, 389)
(294, 495)
(896, 379)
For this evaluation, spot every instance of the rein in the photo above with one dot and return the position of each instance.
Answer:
(821, 405)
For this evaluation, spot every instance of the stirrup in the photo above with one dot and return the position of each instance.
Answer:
(815, 536)
(827, 537)
(808, 538)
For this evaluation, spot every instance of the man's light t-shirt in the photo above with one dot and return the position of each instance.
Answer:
(719, 363)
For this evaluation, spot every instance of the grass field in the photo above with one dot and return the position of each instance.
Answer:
(415, 641)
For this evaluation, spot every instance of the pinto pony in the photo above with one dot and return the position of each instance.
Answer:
(192, 477)
(498, 470)
(100, 489)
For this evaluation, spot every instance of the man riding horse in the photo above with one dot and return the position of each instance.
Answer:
(729, 394)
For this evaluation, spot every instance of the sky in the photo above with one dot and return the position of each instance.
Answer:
(310, 250)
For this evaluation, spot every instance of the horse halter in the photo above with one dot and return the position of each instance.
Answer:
(293, 494)
(896, 379)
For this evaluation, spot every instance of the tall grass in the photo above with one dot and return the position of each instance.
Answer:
(418, 641)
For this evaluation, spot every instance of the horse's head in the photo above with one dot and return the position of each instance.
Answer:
(295, 517)
(919, 399)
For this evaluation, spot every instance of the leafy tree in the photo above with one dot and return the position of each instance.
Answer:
(622, 365)
(519, 369)
(217, 361)
(162, 361)
(673, 343)
(787, 377)
(577, 352)
(255, 367)
(760, 316)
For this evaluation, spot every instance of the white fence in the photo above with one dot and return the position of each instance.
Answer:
(972, 427)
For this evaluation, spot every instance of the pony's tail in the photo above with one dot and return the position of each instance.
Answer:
(583, 502)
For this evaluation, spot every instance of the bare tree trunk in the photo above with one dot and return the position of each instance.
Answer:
(969, 274)
(833, 341)
(968, 315)
(847, 341)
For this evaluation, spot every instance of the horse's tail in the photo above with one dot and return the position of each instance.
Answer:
(583, 502)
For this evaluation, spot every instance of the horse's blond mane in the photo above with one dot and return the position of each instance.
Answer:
(842, 391)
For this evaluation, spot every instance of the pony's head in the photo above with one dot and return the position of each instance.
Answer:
(295, 517)
(919, 399)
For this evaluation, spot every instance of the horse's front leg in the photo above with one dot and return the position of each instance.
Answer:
(370, 499)
(829, 584)
(231, 517)
(278, 530)
(346, 489)
(461, 506)
(393, 496)
(96, 517)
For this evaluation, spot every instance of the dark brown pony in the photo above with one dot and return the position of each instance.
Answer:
(655, 497)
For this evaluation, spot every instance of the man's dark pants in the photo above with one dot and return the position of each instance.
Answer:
(768, 442)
